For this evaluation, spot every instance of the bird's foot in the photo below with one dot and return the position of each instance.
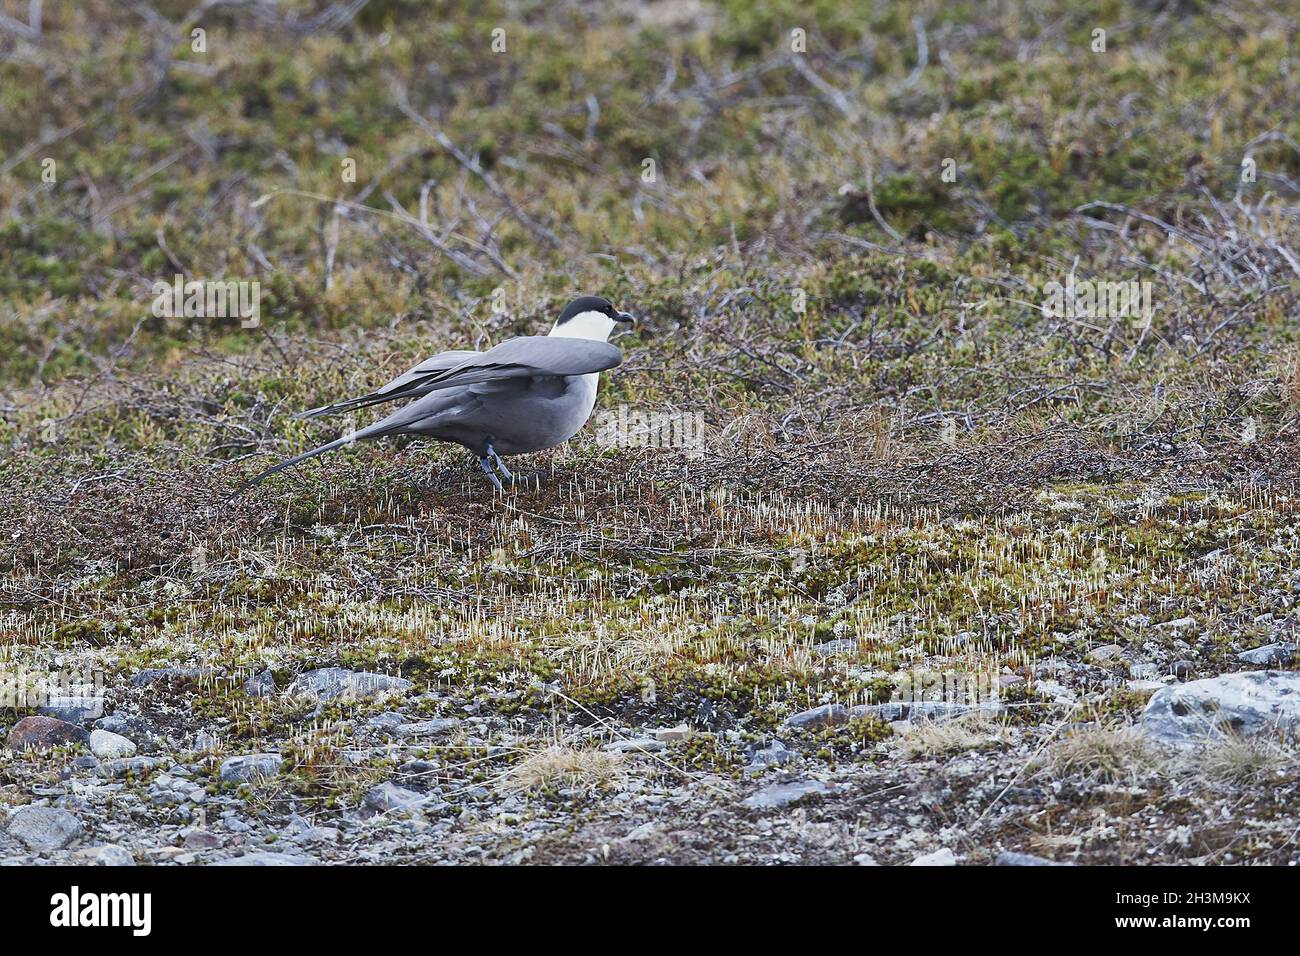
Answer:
(501, 467)
(492, 475)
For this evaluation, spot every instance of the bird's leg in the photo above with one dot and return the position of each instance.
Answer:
(501, 465)
(487, 470)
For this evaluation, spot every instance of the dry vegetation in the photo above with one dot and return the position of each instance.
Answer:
(918, 470)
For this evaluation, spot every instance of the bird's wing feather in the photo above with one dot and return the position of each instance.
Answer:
(525, 355)
(398, 388)
(540, 355)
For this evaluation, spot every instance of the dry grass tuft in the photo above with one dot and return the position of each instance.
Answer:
(1239, 761)
(1104, 754)
(961, 735)
(563, 766)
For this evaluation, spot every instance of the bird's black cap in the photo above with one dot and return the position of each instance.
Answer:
(592, 303)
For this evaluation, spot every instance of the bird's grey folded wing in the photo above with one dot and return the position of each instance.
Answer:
(530, 355)
(399, 387)
(525, 356)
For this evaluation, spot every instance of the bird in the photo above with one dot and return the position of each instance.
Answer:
(526, 394)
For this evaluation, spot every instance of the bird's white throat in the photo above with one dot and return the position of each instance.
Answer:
(585, 325)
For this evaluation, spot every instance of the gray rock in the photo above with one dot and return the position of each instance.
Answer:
(828, 715)
(783, 795)
(426, 728)
(250, 767)
(130, 767)
(75, 710)
(301, 830)
(389, 798)
(1270, 655)
(386, 721)
(1024, 859)
(1245, 703)
(774, 755)
(635, 745)
(151, 675)
(1105, 653)
(334, 683)
(260, 685)
(317, 835)
(196, 838)
(913, 710)
(44, 828)
(110, 854)
(672, 734)
(1183, 669)
(266, 859)
(107, 745)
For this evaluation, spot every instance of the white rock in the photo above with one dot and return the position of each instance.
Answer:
(680, 732)
(1144, 686)
(110, 854)
(638, 745)
(1175, 625)
(1055, 690)
(781, 795)
(250, 767)
(643, 832)
(1243, 704)
(426, 728)
(1105, 653)
(944, 857)
(387, 798)
(107, 745)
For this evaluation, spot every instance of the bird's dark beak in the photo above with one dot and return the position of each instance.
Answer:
(627, 317)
